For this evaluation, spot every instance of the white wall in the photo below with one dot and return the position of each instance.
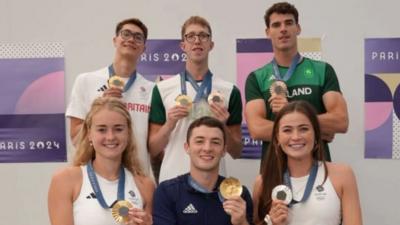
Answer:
(86, 28)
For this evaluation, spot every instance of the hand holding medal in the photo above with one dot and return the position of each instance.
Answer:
(281, 199)
(115, 87)
(278, 99)
(231, 190)
(278, 87)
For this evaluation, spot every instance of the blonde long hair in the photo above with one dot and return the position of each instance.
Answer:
(85, 151)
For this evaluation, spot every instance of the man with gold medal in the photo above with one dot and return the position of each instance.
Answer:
(203, 196)
(120, 80)
(193, 93)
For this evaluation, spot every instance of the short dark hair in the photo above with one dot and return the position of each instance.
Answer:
(195, 20)
(281, 8)
(208, 122)
(133, 21)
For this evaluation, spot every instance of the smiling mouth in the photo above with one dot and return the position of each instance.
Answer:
(284, 38)
(207, 157)
(297, 146)
(111, 146)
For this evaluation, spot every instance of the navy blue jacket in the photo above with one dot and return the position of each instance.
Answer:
(177, 203)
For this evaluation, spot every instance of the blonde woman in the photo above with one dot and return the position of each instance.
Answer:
(105, 169)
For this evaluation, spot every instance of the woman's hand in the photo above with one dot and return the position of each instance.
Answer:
(139, 216)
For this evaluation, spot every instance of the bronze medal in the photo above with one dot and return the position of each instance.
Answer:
(230, 187)
(278, 87)
(120, 211)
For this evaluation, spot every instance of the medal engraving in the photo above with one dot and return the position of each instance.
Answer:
(116, 82)
(184, 100)
(278, 87)
(230, 187)
(283, 193)
(216, 98)
(120, 211)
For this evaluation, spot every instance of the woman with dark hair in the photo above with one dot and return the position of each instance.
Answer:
(106, 173)
(315, 191)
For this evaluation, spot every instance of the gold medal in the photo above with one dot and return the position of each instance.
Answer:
(184, 100)
(278, 87)
(120, 211)
(116, 82)
(216, 98)
(230, 187)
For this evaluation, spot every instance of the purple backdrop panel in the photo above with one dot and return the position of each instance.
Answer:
(32, 138)
(382, 55)
(32, 120)
(251, 54)
(378, 142)
(162, 58)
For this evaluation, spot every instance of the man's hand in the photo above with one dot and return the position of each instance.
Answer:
(219, 112)
(176, 113)
(113, 92)
(236, 208)
(277, 102)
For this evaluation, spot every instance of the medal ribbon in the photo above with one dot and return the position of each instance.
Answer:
(96, 186)
(131, 79)
(196, 186)
(289, 73)
(309, 185)
(202, 91)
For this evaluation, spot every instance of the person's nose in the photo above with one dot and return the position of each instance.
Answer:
(296, 135)
(110, 135)
(283, 28)
(207, 146)
(197, 39)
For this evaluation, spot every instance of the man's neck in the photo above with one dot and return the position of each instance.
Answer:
(198, 71)
(284, 58)
(124, 67)
(207, 180)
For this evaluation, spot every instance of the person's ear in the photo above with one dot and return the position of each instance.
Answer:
(186, 147)
(298, 29)
(182, 45)
(114, 41)
(267, 32)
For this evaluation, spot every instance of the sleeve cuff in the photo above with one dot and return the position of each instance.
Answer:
(268, 220)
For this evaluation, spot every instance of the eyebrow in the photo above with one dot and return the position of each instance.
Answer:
(300, 125)
(115, 125)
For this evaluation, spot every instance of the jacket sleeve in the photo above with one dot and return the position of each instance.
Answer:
(163, 207)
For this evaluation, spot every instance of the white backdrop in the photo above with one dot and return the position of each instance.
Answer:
(87, 27)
